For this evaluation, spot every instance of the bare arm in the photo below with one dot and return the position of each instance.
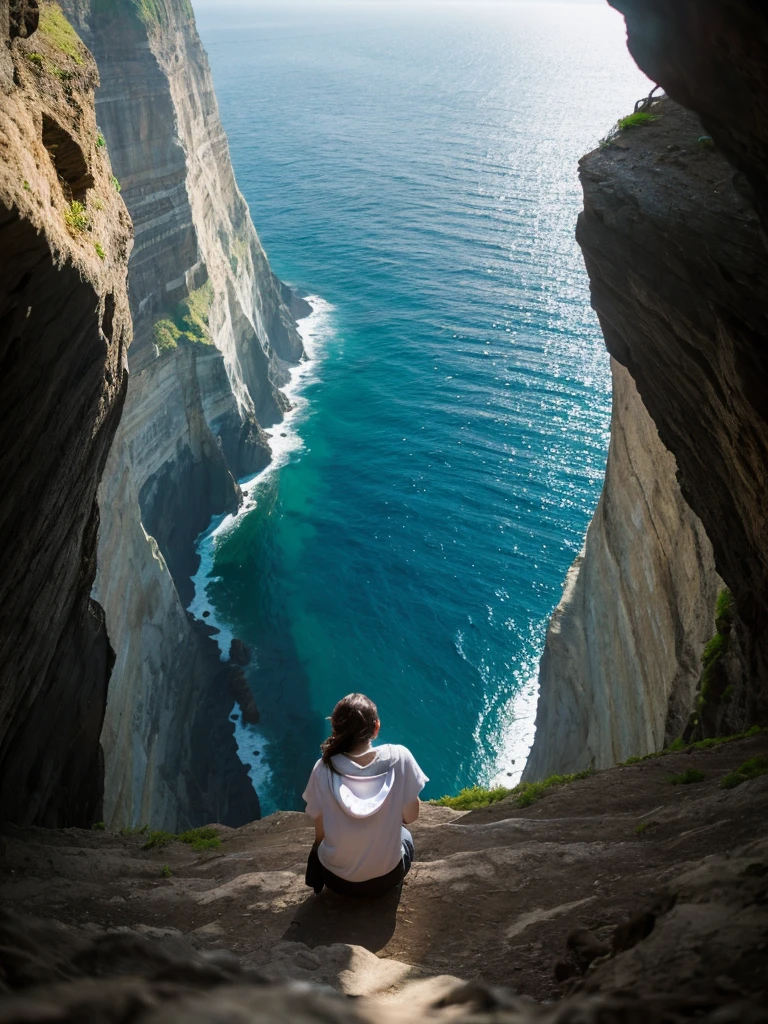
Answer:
(411, 811)
(319, 830)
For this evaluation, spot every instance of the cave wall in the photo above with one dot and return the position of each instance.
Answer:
(679, 283)
(64, 331)
(193, 418)
(677, 263)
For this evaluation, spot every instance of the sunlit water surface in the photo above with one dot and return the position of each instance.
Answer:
(415, 166)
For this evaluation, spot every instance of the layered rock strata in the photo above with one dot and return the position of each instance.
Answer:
(213, 338)
(65, 238)
(622, 660)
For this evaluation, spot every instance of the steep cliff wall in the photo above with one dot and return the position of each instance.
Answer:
(678, 266)
(64, 330)
(623, 654)
(213, 335)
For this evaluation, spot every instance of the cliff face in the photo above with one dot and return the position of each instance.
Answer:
(677, 263)
(64, 329)
(213, 335)
(623, 653)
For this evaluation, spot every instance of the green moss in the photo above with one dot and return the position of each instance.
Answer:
(116, 184)
(165, 871)
(166, 334)
(76, 217)
(193, 314)
(98, 826)
(523, 795)
(635, 120)
(100, 141)
(100, 252)
(36, 58)
(27, 186)
(751, 769)
(58, 32)
(134, 830)
(713, 681)
(686, 778)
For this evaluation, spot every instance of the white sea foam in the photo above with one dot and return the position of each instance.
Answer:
(285, 442)
(518, 728)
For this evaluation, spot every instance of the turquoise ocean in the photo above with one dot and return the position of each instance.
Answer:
(413, 167)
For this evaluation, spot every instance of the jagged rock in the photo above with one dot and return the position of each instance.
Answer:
(239, 653)
(241, 691)
(24, 17)
(586, 947)
(64, 330)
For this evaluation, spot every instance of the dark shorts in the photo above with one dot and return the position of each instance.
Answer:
(318, 876)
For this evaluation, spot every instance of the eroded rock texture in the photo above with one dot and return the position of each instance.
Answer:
(622, 660)
(205, 380)
(64, 331)
(675, 248)
(677, 263)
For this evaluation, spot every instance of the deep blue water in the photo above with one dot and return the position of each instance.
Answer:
(416, 167)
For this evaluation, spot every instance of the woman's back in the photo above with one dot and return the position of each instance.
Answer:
(362, 806)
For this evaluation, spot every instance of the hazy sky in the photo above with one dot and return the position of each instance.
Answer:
(379, 3)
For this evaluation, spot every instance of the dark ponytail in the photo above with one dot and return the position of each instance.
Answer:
(353, 721)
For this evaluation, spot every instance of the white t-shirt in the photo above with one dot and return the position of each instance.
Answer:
(362, 809)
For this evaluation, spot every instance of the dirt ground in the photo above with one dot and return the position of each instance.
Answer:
(493, 895)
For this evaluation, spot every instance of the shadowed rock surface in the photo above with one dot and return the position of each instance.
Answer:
(676, 254)
(64, 331)
(676, 912)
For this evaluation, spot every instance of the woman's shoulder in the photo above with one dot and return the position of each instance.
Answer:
(397, 752)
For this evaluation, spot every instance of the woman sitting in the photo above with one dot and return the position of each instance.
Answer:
(360, 798)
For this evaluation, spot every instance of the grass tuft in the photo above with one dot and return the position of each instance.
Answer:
(643, 827)
(635, 120)
(98, 826)
(158, 838)
(524, 794)
(472, 798)
(165, 871)
(751, 769)
(686, 778)
(198, 838)
(116, 184)
(189, 323)
(100, 251)
(76, 216)
(679, 745)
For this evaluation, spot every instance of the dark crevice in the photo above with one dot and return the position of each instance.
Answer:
(68, 159)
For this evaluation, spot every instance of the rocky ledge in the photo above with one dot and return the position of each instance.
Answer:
(596, 896)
